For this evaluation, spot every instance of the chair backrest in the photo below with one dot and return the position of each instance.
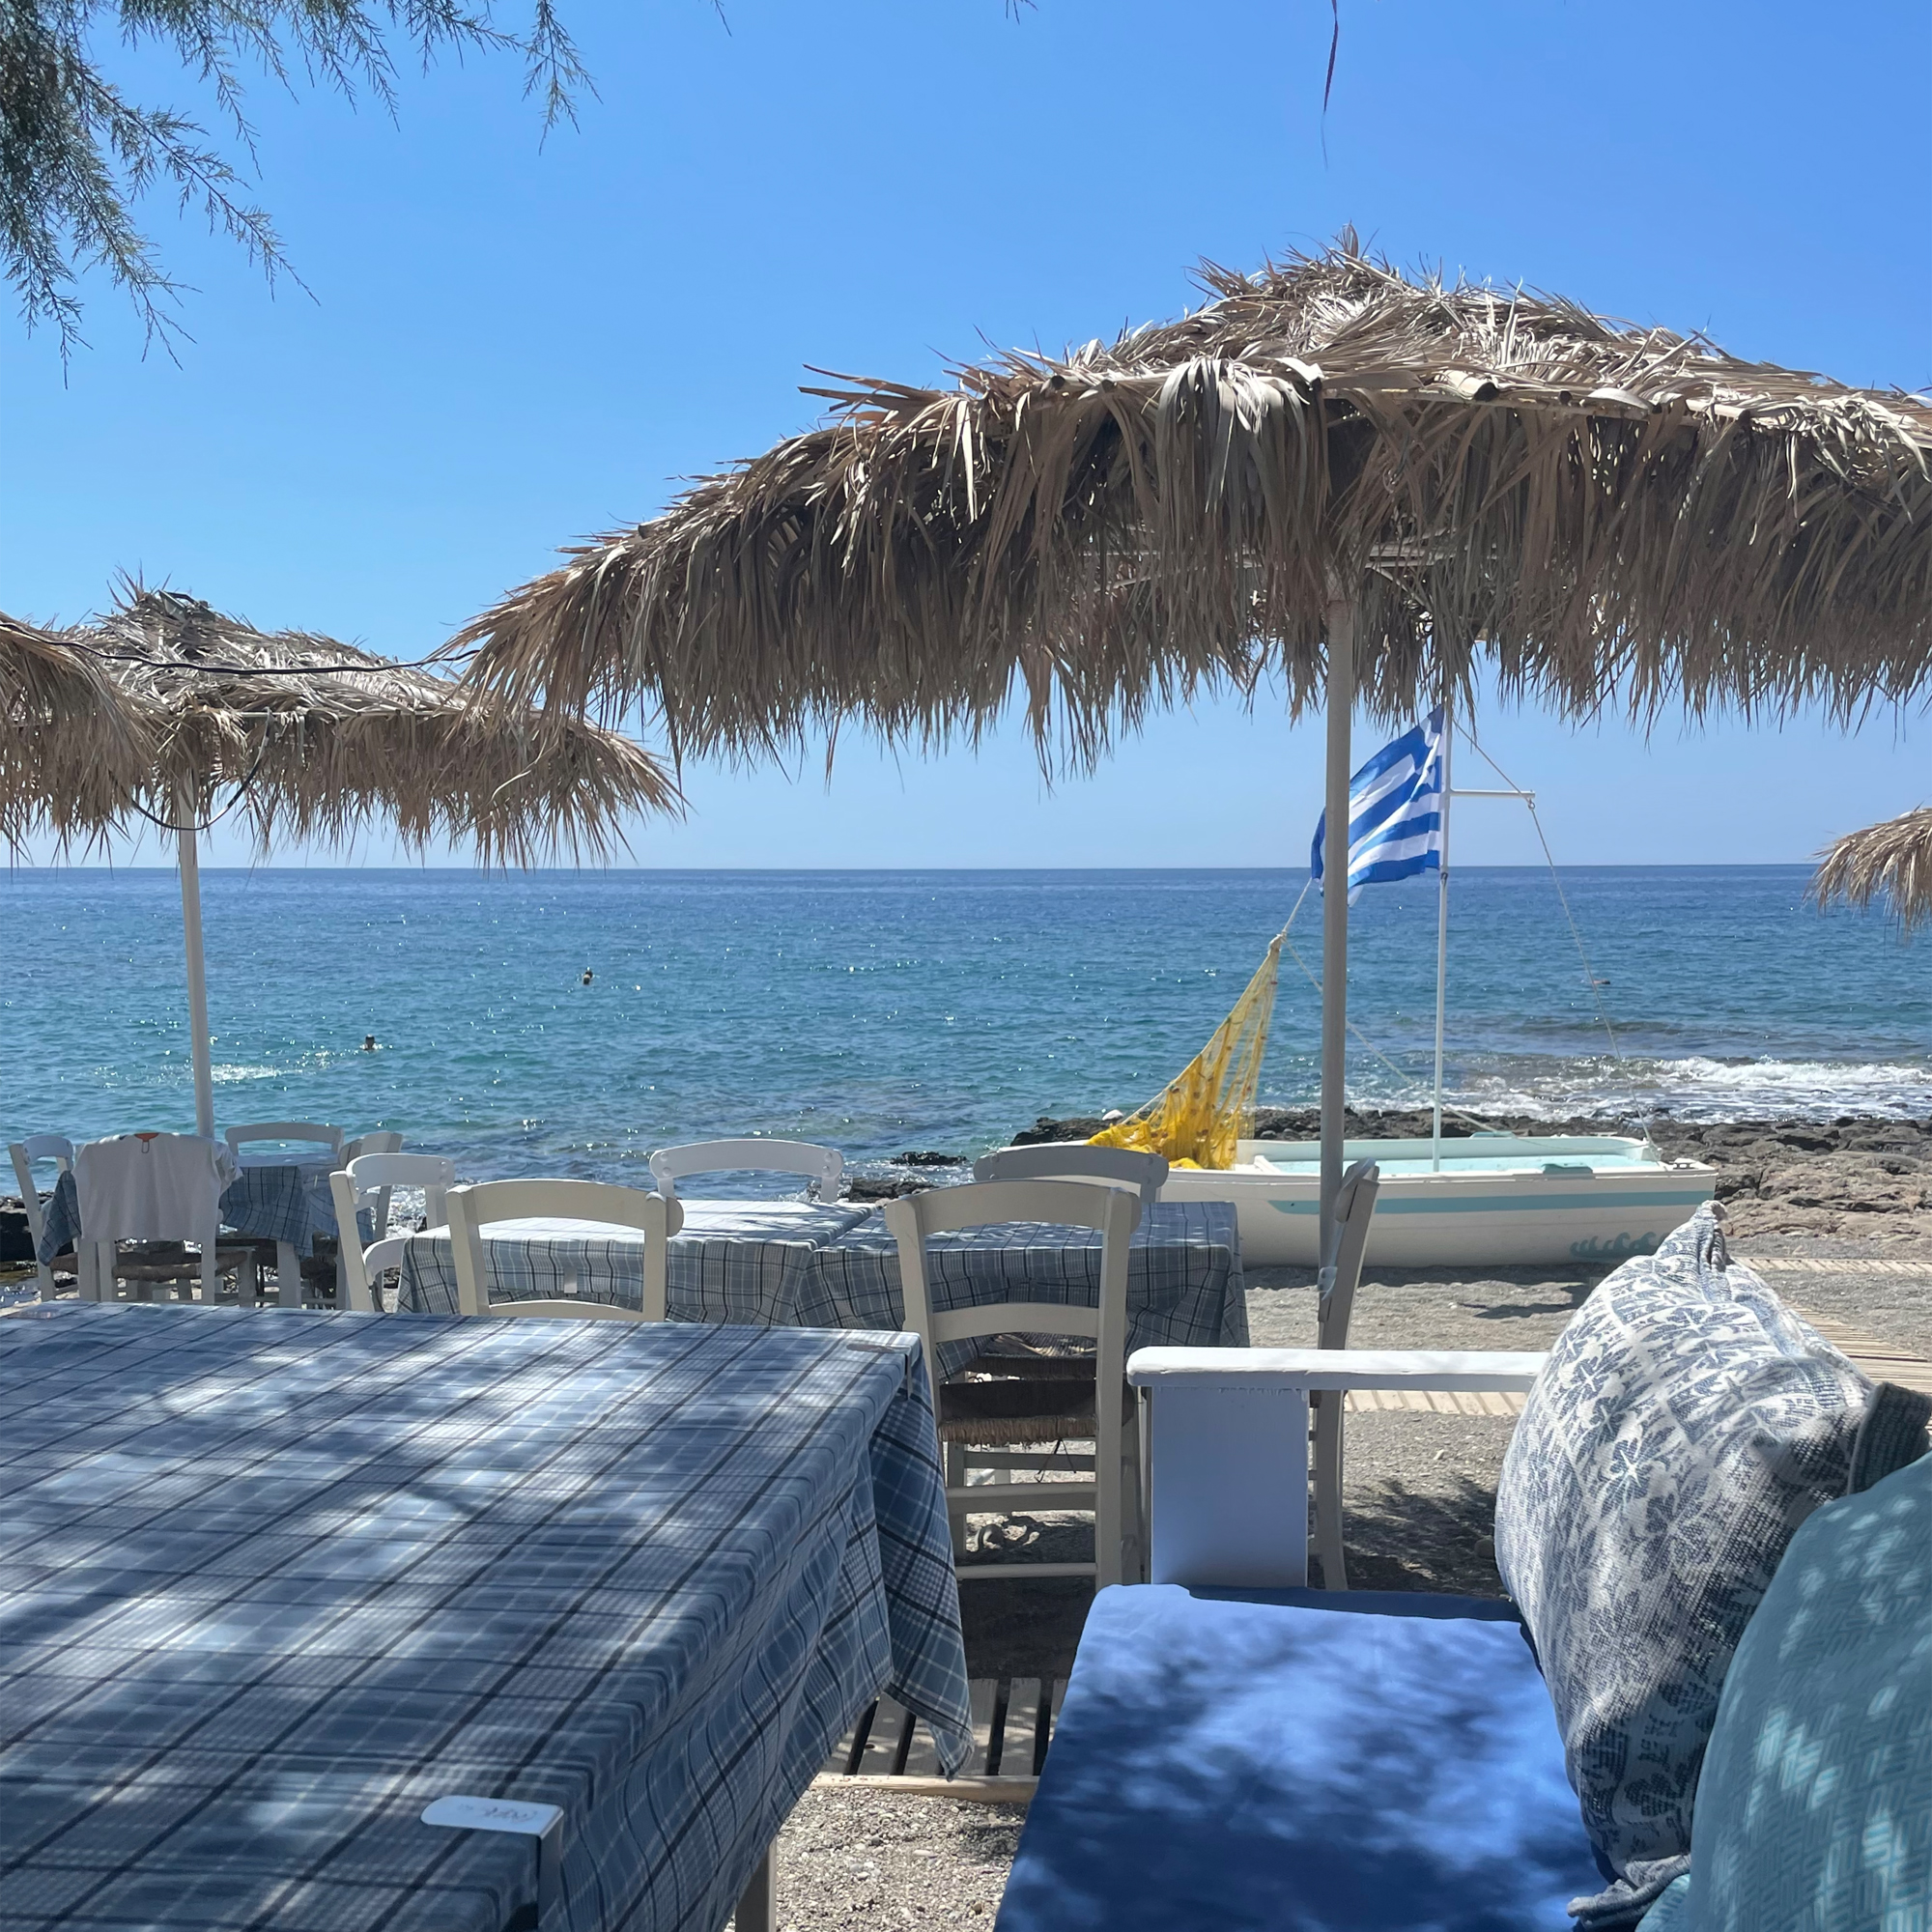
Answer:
(1076, 1160)
(59, 1149)
(1066, 1203)
(373, 1177)
(381, 1140)
(1354, 1209)
(285, 1130)
(823, 1167)
(656, 1216)
(381, 1174)
(56, 1147)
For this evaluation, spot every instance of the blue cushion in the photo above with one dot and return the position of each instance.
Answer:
(1303, 1761)
(1814, 1810)
(1685, 1424)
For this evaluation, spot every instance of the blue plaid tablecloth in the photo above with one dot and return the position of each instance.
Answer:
(280, 1201)
(736, 1261)
(61, 1227)
(1184, 1286)
(272, 1580)
(270, 1200)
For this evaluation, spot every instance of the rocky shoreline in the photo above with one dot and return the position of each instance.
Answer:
(1855, 1178)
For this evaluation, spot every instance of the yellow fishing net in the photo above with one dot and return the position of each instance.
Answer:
(1209, 1105)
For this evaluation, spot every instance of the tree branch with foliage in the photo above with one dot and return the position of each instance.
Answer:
(77, 155)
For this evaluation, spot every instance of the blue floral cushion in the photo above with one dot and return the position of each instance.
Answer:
(1814, 1808)
(1685, 1424)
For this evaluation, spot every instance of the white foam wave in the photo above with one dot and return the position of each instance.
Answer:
(1695, 1088)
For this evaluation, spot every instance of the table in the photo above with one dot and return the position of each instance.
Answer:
(736, 1261)
(284, 1199)
(793, 1265)
(272, 1582)
(278, 1197)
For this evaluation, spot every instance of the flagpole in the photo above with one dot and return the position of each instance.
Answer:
(1441, 934)
(1335, 914)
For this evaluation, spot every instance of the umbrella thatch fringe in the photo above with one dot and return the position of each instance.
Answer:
(316, 740)
(1892, 860)
(1597, 508)
(73, 754)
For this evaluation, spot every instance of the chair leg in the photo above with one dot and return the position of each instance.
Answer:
(288, 1275)
(953, 1459)
(1328, 1486)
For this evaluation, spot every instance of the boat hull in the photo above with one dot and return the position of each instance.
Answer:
(1497, 1200)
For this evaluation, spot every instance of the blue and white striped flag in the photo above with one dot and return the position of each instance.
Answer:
(1395, 811)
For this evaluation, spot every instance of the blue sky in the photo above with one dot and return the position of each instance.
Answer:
(509, 345)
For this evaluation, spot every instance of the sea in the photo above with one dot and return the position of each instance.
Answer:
(896, 1012)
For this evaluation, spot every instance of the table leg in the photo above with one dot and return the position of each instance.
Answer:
(758, 1904)
(288, 1275)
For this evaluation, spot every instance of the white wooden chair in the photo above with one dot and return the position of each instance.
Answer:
(108, 1269)
(979, 1408)
(370, 1180)
(1076, 1160)
(59, 1149)
(656, 1216)
(823, 1167)
(1354, 1212)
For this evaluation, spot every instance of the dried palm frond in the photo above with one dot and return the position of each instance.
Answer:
(320, 740)
(73, 752)
(1892, 860)
(1607, 512)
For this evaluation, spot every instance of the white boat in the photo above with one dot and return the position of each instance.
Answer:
(1495, 1199)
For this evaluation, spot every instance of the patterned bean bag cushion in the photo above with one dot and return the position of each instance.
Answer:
(1814, 1809)
(1684, 1427)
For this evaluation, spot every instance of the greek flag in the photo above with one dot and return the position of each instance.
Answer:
(1395, 811)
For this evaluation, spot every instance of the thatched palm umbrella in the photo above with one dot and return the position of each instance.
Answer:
(1892, 860)
(1349, 479)
(321, 741)
(74, 750)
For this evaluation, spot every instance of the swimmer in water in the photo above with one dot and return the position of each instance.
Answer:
(587, 976)
(368, 1042)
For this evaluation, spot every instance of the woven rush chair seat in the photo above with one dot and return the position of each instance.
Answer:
(995, 1409)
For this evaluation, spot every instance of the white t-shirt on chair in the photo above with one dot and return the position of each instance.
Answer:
(151, 1187)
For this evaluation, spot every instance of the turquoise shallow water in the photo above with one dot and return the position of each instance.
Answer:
(889, 1010)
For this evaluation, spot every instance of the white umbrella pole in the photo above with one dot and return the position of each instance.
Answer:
(197, 972)
(1335, 912)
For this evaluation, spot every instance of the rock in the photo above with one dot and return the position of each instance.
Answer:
(887, 1187)
(930, 1159)
(16, 1244)
(1082, 1128)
